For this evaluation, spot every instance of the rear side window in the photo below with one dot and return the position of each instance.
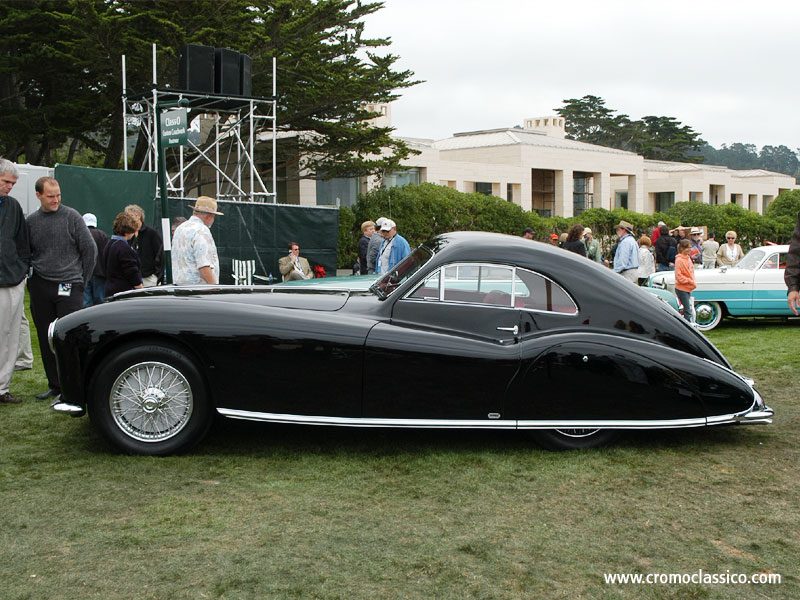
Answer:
(537, 292)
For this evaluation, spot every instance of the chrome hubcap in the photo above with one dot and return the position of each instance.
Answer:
(704, 312)
(151, 401)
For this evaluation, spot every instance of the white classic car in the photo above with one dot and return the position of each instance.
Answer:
(753, 288)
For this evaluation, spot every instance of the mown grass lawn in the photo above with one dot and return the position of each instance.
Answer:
(260, 511)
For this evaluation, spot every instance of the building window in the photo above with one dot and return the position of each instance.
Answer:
(340, 191)
(543, 191)
(621, 199)
(664, 200)
(401, 178)
(582, 197)
(695, 196)
(509, 192)
(483, 187)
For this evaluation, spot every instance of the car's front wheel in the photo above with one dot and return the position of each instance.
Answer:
(573, 439)
(150, 399)
(707, 314)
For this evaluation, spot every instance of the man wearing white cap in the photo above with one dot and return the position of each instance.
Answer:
(393, 249)
(94, 292)
(374, 247)
(194, 253)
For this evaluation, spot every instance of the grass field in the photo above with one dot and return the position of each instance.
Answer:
(260, 511)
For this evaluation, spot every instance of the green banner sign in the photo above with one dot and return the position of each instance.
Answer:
(173, 128)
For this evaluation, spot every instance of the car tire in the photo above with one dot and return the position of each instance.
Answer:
(150, 399)
(707, 314)
(573, 439)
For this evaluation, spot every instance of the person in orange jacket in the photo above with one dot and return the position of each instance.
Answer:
(684, 278)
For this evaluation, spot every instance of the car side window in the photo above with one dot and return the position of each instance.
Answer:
(540, 293)
(771, 262)
(428, 289)
(468, 283)
(478, 284)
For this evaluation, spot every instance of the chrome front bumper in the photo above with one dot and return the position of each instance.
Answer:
(68, 409)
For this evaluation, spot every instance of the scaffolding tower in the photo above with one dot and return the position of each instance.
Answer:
(233, 124)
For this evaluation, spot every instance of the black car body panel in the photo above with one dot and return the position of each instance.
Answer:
(595, 350)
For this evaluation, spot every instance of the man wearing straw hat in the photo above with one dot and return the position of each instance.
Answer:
(194, 253)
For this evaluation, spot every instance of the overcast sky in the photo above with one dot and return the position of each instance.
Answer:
(729, 69)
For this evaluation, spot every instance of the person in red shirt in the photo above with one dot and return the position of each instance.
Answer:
(684, 278)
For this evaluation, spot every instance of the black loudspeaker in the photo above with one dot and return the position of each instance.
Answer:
(245, 75)
(196, 69)
(226, 72)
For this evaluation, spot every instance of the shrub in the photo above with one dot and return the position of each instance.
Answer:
(426, 210)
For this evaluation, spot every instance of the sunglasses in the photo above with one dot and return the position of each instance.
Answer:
(730, 238)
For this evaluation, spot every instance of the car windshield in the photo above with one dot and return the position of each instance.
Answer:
(751, 260)
(401, 272)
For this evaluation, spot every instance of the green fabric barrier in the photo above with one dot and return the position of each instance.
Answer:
(247, 231)
(261, 232)
(106, 192)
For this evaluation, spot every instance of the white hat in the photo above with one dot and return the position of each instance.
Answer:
(696, 231)
(90, 220)
(388, 225)
(379, 221)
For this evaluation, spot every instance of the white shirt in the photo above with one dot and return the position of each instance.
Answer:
(193, 247)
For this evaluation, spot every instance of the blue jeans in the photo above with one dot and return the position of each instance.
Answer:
(95, 291)
(685, 298)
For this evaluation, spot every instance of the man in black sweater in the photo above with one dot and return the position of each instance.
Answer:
(63, 254)
(149, 247)
(14, 261)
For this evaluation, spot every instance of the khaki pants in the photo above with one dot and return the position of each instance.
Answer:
(25, 354)
(12, 303)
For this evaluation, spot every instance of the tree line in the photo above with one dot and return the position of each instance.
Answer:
(588, 119)
(60, 75)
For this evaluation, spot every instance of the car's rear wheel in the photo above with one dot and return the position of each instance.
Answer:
(150, 399)
(707, 314)
(573, 439)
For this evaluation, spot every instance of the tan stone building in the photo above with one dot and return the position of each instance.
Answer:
(535, 166)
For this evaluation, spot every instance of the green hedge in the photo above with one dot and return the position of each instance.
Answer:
(425, 210)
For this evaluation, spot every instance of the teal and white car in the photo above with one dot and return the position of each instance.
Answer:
(753, 288)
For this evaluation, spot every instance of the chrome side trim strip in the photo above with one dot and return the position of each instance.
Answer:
(367, 422)
(753, 415)
(614, 424)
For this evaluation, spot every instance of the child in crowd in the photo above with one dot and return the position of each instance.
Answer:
(684, 278)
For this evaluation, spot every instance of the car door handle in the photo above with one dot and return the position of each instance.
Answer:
(514, 329)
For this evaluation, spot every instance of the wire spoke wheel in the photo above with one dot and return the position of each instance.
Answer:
(151, 401)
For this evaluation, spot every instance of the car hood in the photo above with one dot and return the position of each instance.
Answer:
(284, 296)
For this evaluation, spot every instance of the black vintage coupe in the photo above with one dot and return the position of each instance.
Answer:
(472, 330)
